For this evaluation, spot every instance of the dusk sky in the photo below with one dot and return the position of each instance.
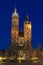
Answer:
(34, 8)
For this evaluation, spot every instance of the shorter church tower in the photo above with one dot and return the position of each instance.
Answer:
(27, 32)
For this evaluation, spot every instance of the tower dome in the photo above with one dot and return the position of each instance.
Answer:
(15, 14)
(27, 19)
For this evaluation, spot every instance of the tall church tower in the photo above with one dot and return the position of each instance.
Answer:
(15, 27)
(27, 32)
(14, 34)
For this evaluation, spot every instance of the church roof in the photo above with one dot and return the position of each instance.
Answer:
(27, 21)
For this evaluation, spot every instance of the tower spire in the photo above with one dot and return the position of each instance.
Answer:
(15, 12)
(15, 8)
(27, 19)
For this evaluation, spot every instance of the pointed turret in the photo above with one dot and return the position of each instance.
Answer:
(27, 19)
(15, 14)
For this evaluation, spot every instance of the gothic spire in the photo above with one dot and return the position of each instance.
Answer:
(15, 13)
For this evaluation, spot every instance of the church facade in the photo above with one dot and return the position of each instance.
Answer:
(15, 29)
(21, 42)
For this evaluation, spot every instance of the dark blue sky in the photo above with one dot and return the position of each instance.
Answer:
(34, 8)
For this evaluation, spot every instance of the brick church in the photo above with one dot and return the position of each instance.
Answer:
(21, 42)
